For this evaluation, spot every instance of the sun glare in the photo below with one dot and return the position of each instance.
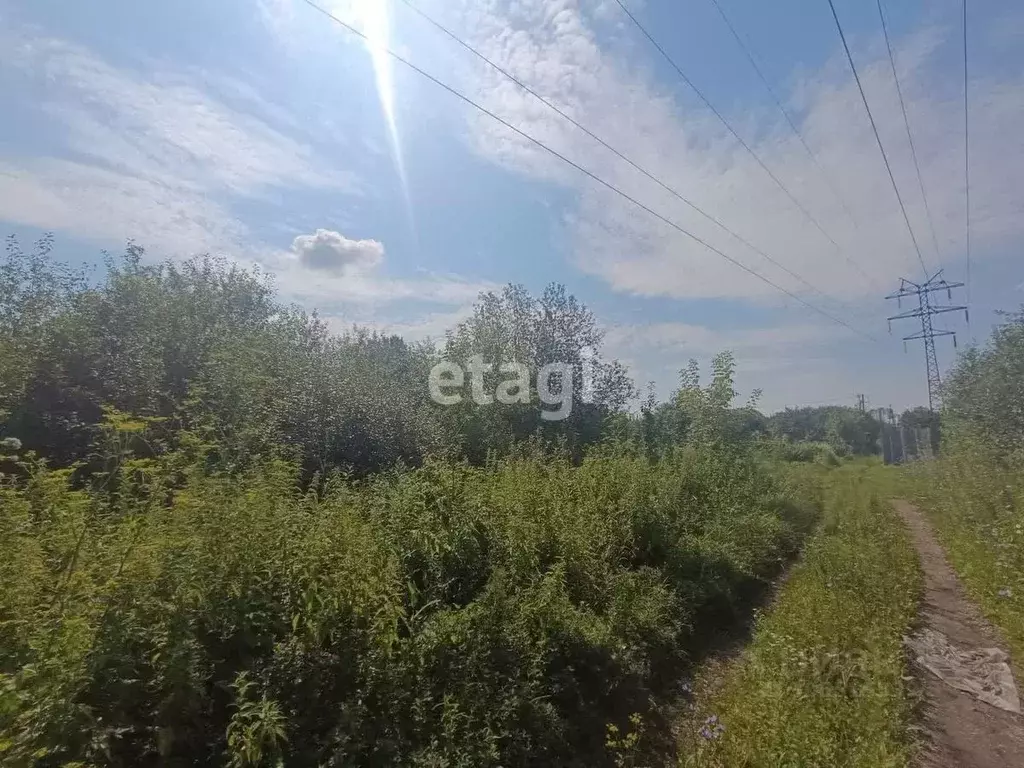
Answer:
(375, 20)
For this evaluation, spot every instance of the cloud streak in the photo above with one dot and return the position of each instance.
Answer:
(156, 155)
(568, 55)
(163, 156)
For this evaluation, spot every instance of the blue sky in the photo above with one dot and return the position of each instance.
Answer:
(260, 130)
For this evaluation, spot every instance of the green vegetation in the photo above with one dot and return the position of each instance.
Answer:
(822, 682)
(450, 615)
(975, 491)
(820, 453)
(230, 537)
(848, 431)
(205, 346)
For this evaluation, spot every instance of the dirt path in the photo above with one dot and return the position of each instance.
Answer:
(959, 730)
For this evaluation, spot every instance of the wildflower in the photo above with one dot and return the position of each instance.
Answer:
(10, 444)
(712, 729)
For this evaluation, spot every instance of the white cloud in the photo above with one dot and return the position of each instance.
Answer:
(150, 154)
(555, 47)
(700, 341)
(106, 206)
(792, 363)
(329, 251)
(327, 270)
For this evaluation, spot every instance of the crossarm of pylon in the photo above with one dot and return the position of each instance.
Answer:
(922, 335)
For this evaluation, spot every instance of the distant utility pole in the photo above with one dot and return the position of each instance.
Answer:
(926, 311)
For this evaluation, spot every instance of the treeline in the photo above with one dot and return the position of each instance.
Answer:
(206, 348)
(229, 536)
(846, 431)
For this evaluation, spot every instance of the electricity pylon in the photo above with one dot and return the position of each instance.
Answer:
(926, 311)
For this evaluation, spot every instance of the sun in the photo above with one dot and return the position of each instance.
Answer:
(374, 19)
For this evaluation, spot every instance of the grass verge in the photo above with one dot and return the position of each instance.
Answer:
(977, 509)
(822, 681)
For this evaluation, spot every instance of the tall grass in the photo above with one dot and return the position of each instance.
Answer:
(976, 502)
(822, 682)
(528, 612)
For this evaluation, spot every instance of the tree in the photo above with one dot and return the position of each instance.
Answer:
(983, 396)
(847, 430)
(707, 411)
(515, 328)
(205, 344)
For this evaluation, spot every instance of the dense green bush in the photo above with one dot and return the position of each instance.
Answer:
(847, 430)
(172, 614)
(206, 346)
(805, 451)
(983, 396)
(228, 536)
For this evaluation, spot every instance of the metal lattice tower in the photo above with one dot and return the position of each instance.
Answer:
(926, 310)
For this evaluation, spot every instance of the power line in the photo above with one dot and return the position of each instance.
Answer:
(561, 113)
(864, 98)
(589, 174)
(807, 214)
(785, 112)
(967, 158)
(910, 136)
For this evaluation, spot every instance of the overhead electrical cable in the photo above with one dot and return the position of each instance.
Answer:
(967, 158)
(785, 112)
(589, 174)
(874, 127)
(633, 164)
(910, 135)
(807, 214)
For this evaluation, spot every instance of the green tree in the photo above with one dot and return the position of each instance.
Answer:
(555, 328)
(708, 412)
(983, 396)
(847, 430)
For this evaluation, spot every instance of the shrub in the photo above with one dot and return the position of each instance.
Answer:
(503, 615)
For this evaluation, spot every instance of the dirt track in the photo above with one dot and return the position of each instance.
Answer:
(959, 731)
